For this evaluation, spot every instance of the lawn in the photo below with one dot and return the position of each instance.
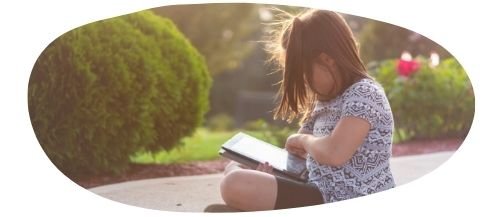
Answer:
(203, 145)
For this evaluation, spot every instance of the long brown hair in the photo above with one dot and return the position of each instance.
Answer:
(297, 42)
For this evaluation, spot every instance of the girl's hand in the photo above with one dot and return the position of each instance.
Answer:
(295, 146)
(265, 167)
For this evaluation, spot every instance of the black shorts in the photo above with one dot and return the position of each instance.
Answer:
(291, 194)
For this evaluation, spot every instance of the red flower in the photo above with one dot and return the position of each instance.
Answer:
(407, 67)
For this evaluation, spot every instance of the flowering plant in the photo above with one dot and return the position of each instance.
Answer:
(429, 101)
(406, 65)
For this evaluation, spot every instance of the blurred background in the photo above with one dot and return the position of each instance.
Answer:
(170, 85)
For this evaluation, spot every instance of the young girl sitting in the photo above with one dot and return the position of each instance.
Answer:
(346, 125)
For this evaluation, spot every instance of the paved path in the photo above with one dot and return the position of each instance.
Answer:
(195, 193)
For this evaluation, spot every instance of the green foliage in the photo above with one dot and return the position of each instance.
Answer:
(431, 103)
(103, 91)
(380, 41)
(270, 133)
(221, 122)
(223, 33)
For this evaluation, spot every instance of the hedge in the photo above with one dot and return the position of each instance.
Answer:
(432, 102)
(101, 92)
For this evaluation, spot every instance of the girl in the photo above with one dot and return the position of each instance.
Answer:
(346, 127)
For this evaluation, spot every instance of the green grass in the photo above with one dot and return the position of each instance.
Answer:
(202, 146)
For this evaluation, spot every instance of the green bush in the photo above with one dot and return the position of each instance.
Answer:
(101, 92)
(433, 102)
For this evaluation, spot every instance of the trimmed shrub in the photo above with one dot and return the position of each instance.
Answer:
(103, 91)
(432, 102)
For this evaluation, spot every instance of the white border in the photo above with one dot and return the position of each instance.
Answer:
(30, 185)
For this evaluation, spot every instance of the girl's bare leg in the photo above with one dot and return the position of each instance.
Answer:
(248, 190)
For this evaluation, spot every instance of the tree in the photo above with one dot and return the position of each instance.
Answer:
(221, 32)
(380, 41)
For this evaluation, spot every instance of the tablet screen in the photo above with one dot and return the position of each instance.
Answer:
(262, 151)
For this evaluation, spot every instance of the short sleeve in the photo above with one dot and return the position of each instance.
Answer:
(365, 101)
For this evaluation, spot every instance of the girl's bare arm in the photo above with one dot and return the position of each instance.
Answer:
(338, 147)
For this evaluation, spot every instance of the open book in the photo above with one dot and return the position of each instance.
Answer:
(251, 151)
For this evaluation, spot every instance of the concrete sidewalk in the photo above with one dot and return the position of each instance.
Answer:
(195, 193)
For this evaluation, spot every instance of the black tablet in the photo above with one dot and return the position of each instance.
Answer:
(258, 151)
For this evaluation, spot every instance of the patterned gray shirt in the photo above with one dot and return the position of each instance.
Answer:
(368, 171)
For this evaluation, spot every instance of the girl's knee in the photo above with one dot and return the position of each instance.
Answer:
(231, 187)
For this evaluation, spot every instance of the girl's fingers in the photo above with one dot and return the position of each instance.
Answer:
(301, 154)
(265, 167)
(259, 167)
(294, 150)
(268, 168)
